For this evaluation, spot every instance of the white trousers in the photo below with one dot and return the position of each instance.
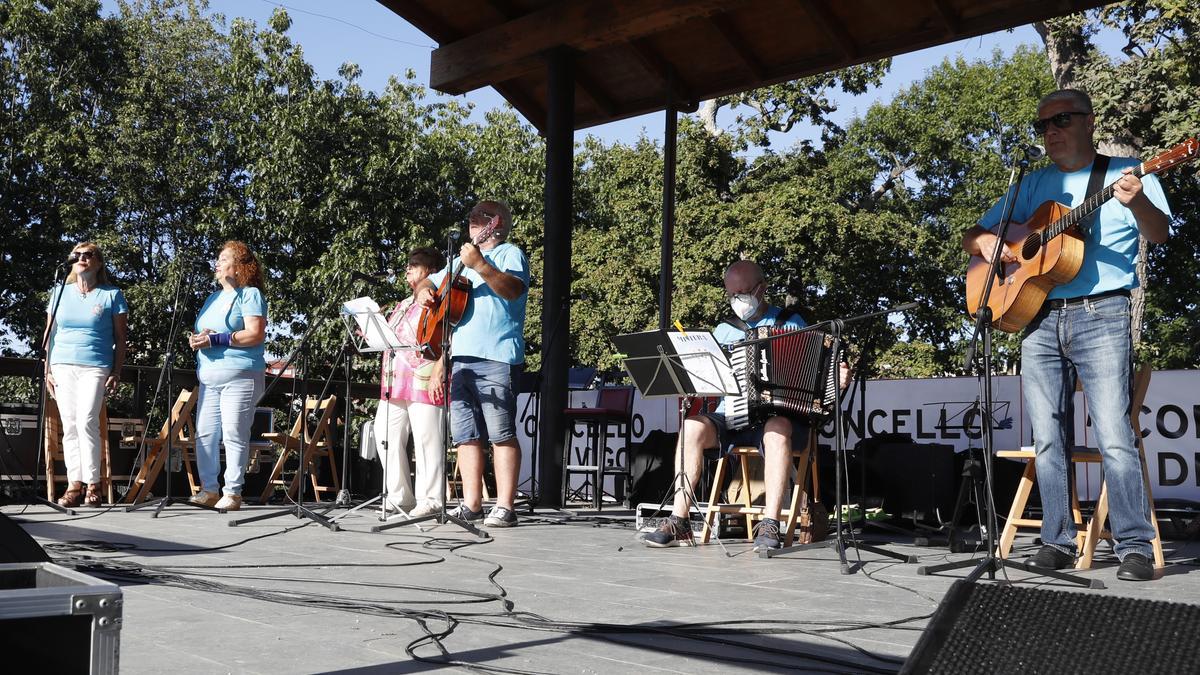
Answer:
(79, 392)
(393, 422)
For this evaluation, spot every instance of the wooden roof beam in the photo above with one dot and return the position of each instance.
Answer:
(514, 48)
(737, 44)
(425, 21)
(945, 13)
(660, 68)
(832, 27)
(595, 91)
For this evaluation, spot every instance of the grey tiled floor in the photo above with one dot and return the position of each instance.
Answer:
(579, 596)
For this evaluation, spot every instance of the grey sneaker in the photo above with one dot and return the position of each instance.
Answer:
(768, 535)
(500, 517)
(672, 531)
(464, 513)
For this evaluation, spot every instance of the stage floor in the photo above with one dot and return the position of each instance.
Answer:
(557, 594)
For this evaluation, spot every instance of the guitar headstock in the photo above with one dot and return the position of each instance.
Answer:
(488, 231)
(1184, 152)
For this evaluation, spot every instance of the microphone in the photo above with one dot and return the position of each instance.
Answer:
(72, 258)
(454, 234)
(1032, 151)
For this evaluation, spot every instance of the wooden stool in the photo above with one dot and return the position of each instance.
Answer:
(789, 515)
(54, 451)
(317, 443)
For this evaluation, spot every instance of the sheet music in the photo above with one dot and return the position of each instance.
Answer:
(371, 324)
(706, 363)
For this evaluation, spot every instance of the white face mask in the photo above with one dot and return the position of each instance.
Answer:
(744, 305)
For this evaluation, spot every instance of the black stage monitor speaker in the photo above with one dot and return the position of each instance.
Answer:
(982, 628)
(16, 546)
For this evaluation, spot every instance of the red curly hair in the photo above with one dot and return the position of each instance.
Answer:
(246, 270)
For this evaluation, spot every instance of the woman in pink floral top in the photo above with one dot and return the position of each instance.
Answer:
(410, 400)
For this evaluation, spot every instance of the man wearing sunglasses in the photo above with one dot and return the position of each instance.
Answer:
(1083, 330)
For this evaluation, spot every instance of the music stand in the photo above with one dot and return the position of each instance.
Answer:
(679, 364)
(368, 332)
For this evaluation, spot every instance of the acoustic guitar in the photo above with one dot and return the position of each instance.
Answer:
(450, 301)
(1049, 251)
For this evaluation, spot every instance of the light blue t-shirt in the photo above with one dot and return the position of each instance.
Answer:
(726, 333)
(225, 311)
(83, 327)
(1110, 249)
(491, 327)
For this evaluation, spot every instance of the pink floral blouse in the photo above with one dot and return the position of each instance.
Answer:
(406, 374)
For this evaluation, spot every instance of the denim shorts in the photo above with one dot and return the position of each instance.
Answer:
(750, 436)
(483, 405)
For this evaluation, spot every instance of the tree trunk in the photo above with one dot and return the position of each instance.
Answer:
(708, 115)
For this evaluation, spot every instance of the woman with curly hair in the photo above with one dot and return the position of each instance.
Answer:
(231, 362)
(86, 352)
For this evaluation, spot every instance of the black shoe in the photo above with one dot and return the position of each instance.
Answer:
(1050, 558)
(673, 531)
(1135, 567)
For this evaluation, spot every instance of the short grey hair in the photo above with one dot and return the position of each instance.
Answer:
(1081, 100)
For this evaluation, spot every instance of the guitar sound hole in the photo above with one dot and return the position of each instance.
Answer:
(1033, 243)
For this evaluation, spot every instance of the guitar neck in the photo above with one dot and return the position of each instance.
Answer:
(1093, 202)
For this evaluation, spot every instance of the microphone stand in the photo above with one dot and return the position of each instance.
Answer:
(839, 448)
(298, 509)
(442, 516)
(30, 492)
(991, 563)
(165, 374)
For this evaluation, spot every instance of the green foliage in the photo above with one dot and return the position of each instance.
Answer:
(160, 133)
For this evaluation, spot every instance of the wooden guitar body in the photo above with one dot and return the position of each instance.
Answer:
(452, 298)
(1020, 290)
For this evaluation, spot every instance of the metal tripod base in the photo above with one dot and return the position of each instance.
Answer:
(164, 502)
(991, 564)
(442, 517)
(297, 510)
(840, 546)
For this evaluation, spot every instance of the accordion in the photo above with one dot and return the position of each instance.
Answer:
(793, 374)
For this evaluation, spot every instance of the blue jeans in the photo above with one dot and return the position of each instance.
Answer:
(483, 406)
(1091, 341)
(224, 412)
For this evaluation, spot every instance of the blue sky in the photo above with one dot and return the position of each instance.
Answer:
(332, 32)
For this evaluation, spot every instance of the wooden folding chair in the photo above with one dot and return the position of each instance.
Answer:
(54, 451)
(178, 427)
(317, 443)
(741, 502)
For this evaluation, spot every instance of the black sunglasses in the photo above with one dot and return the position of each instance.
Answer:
(85, 254)
(1062, 120)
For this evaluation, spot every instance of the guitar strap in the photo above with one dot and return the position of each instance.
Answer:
(1095, 184)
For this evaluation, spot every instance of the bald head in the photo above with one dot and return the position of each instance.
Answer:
(742, 276)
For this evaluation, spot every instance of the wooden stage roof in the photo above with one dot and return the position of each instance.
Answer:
(629, 53)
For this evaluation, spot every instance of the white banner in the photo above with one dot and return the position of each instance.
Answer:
(943, 411)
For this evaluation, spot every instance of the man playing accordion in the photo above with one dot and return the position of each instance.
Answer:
(713, 433)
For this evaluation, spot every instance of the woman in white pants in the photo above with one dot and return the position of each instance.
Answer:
(86, 352)
(411, 400)
(230, 364)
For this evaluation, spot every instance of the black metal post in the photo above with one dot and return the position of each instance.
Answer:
(556, 278)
